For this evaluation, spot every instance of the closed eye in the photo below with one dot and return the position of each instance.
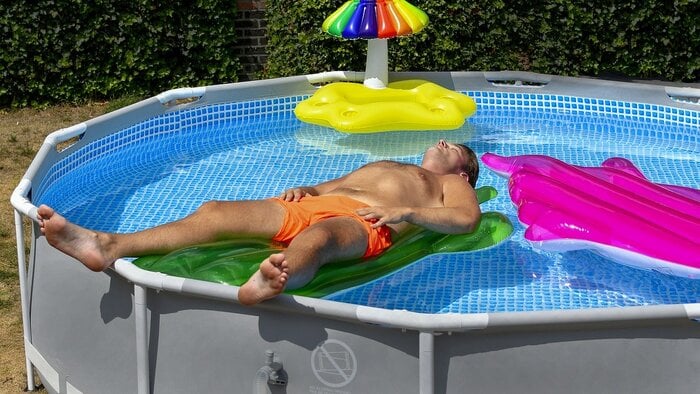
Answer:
(459, 151)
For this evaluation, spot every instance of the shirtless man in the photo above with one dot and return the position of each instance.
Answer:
(353, 216)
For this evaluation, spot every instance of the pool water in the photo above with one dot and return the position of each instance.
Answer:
(163, 169)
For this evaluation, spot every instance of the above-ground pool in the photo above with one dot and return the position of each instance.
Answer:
(518, 317)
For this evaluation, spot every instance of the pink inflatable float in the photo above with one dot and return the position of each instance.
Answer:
(613, 210)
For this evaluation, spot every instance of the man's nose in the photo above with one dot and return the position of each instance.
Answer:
(442, 143)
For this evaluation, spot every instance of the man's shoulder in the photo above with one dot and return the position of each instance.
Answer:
(458, 182)
(454, 178)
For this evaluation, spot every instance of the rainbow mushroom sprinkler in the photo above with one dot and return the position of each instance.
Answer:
(377, 105)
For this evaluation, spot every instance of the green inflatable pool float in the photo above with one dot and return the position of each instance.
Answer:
(233, 262)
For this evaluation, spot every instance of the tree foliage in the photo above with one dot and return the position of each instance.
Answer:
(636, 38)
(72, 50)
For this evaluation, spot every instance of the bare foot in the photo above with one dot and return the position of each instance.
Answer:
(73, 240)
(267, 282)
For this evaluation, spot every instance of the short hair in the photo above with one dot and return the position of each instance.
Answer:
(471, 165)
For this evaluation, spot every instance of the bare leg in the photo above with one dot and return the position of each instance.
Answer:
(328, 241)
(211, 222)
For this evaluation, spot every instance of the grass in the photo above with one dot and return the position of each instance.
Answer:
(122, 102)
(21, 134)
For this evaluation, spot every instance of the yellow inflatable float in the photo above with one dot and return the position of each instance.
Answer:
(403, 105)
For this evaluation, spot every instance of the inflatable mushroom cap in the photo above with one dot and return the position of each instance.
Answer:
(370, 19)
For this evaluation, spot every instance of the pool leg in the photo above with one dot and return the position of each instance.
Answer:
(140, 318)
(426, 362)
(22, 272)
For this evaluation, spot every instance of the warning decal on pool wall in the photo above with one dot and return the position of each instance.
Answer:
(334, 364)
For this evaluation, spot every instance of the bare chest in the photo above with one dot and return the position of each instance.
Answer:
(390, 183)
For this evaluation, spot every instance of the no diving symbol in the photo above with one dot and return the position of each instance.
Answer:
(334, 363)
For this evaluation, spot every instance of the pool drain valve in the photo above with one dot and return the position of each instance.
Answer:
(271, 373)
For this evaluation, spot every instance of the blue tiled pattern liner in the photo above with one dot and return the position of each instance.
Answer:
(163, 169)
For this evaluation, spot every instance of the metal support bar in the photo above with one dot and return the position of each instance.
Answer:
(426, 362)
(693, 311)
(22, 272)
(181, 94)
(142, 369)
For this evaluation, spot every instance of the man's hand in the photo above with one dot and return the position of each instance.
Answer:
(380, 216)
(296, 193)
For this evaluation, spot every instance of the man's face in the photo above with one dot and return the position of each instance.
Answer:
(445, 158)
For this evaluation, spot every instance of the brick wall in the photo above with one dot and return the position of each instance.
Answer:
(251, 29)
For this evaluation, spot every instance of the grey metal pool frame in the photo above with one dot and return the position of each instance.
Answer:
(130, 330)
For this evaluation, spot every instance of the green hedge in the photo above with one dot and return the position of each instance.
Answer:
(73, 50)
(636, 38)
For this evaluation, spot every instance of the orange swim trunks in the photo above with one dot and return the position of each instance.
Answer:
(312, 209)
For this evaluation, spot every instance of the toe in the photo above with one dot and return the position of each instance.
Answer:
(268, 270)
(277, 259)
(45, 211)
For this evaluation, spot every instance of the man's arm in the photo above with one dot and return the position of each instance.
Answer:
(459, 214)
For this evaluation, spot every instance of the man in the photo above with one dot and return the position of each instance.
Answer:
(353, 216)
